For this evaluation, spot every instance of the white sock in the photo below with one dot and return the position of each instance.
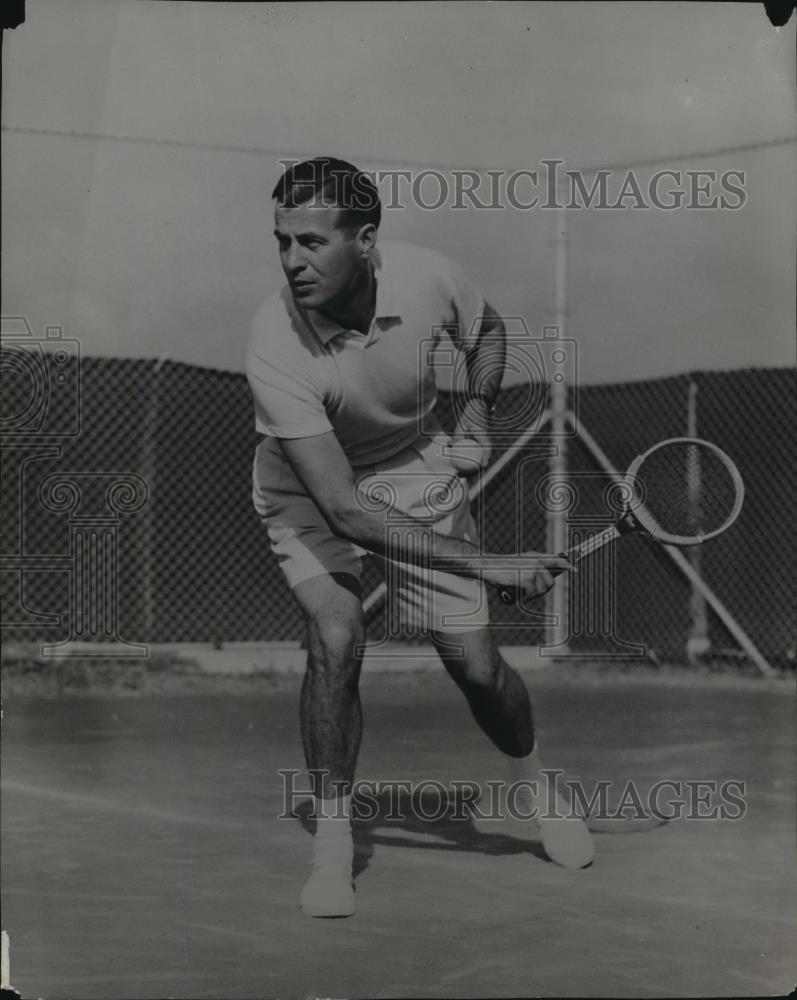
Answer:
(566, 843)
(526, 768)
(333, 839)
(535, 790)
(329, 812)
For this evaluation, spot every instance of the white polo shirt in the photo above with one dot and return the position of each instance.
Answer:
(376, 391)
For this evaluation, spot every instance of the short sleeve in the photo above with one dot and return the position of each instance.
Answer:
(288, 402)
(467, 304)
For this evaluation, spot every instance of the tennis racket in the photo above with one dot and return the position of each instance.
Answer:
(682, 491)
(466, 455)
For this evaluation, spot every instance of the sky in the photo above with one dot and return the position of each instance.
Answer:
(141, 142)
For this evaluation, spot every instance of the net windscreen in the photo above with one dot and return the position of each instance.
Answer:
(685, 489)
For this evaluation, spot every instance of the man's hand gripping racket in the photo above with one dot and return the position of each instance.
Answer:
(682, 491)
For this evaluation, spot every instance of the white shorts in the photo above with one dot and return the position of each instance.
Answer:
(421, 482)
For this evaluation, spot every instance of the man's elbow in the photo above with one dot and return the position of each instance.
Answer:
(345, 520)
(492, 320)
(494, 327)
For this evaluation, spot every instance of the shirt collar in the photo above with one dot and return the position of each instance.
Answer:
(386, 308)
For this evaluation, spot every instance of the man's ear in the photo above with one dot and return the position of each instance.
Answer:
(366, 240)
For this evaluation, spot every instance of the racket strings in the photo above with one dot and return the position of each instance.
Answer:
(686, 489)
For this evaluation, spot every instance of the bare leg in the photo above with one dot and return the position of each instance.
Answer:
(500, 704)
(495, 692)
(331, 723)
(331, 714)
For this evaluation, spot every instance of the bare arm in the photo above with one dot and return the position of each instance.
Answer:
(485, 359)
(324, 470)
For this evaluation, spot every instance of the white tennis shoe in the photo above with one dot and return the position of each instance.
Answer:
(566, 838)
(329, 891)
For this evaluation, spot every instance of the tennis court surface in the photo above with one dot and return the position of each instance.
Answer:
(143, 856)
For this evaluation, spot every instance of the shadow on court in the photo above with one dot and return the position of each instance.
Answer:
(442, 821)
(143, 853)
(426, 822)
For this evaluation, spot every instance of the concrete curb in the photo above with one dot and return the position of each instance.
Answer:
(251, 658)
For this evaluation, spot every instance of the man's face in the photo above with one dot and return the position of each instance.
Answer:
(320, 260)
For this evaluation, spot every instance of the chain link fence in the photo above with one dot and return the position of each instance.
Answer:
(134, 523)
(632, 595)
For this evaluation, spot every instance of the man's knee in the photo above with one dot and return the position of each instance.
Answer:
(472, 659)
(335, 643)
(332, 608)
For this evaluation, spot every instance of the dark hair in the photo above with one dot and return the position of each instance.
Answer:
(335, 183)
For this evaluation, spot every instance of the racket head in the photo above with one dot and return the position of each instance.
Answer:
(683, 491)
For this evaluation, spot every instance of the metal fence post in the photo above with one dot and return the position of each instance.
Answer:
(556, 520)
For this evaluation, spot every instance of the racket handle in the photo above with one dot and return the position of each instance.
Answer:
(512, 595)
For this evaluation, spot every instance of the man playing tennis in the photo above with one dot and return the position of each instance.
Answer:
(351, 462)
